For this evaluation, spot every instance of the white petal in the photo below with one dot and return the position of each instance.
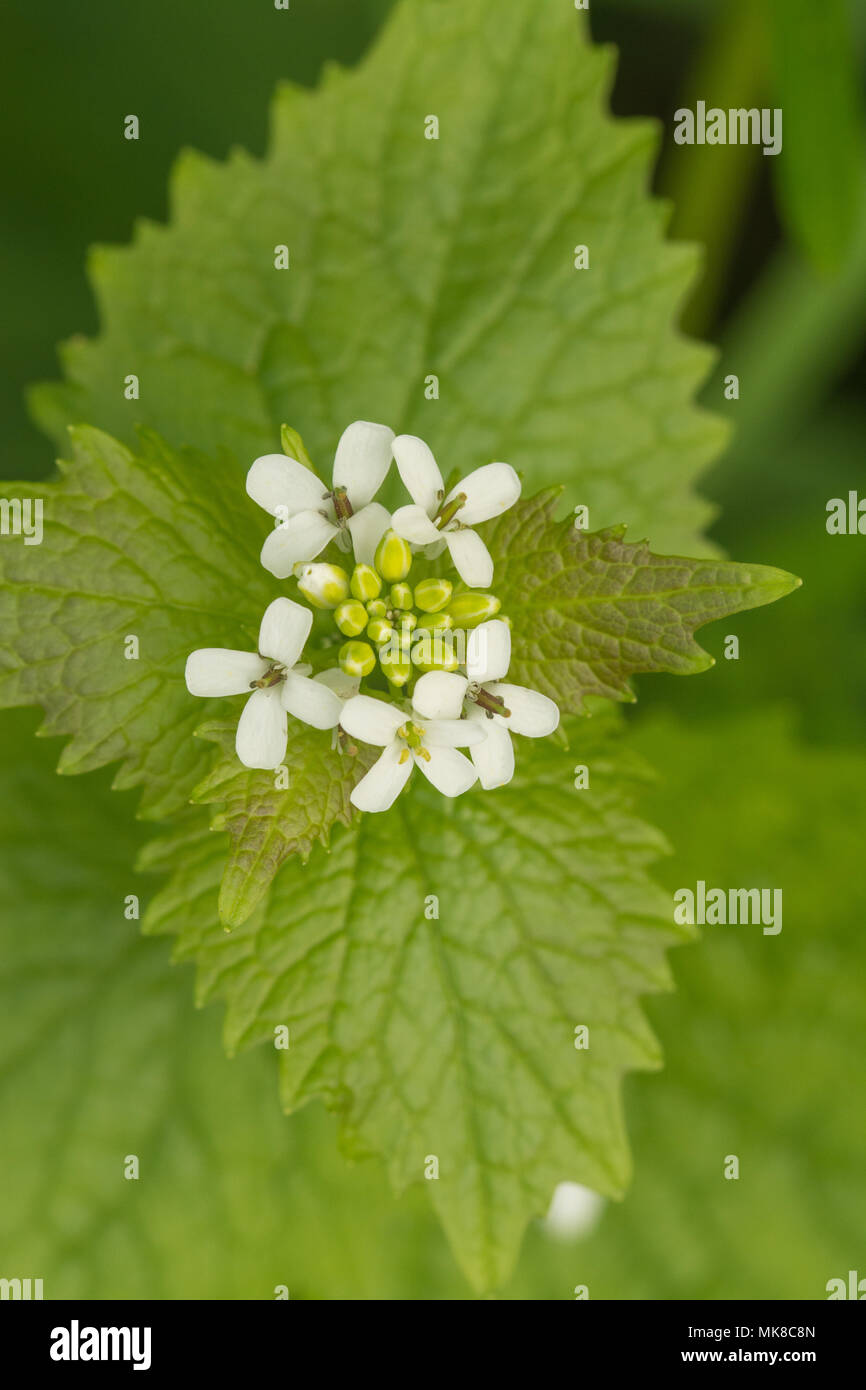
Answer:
(532, 714)
(367, 527)
(372, 721)
(413, 524)
(494, 757)
(219, 671)
(449, 771)
(432, 552)
(284, 630)
(262, 730)
(362, 459)
(489, 491)
(341, 684)
(452, 733)
(471, 558)
(276, 481)
(488, 651)
(311, 701)
(384, 782)
(419, 471)
(439, 695)
(302, 538)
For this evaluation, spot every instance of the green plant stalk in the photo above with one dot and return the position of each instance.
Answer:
(710, 189)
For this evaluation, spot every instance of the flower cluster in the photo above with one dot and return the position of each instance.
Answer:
(432, 652)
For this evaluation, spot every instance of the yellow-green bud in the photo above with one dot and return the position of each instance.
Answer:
(325, 586)
(380, 630)
(434, 652)
(393, 558)
(432, 594)
(293, 445)
(357, 658)
(397, 668)
(407, 621)
(351, 617)
(376, 608)
(444, 663)
(365, 583)
(468, 610)
(432, 621)
(401, 596)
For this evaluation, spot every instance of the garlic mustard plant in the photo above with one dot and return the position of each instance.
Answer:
(418, 655)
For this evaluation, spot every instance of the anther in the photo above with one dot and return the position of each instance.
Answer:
(342, 505)
(272, 677)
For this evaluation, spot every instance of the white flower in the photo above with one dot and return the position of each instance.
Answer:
(430, 744)
(278, 683)
(433, 517)
(501, 708)
(310, 514)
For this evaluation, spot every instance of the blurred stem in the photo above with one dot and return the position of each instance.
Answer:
(710, 188)
(790, 341)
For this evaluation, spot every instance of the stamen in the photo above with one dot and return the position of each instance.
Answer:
(447, 513)
(413, 734)
(271, 677)
(490, 703)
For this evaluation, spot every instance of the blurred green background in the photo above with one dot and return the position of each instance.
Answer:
(760, 764)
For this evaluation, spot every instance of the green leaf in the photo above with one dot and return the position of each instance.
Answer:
(161, 547)
(267, 824)
(817, 85)
(453, 1035)
(103, 1057)
(591, 610)
(412, 258)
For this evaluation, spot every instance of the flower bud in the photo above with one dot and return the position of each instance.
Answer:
(432, 594)
(357, 658)
(393, 558)
(407, 622)
(434, 651)
(379, 630)
(376, 608)
(401, 596)
(365, 583)
(324, 585)
(470, 609)
(397, 668)
(293, 445)
(351, 617)
(431, 621)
